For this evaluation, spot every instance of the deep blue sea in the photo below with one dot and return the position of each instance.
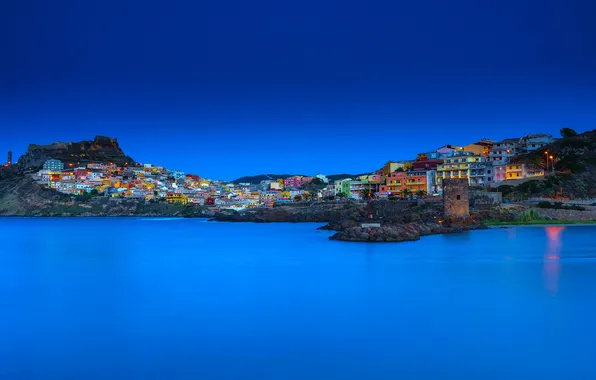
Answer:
(131, 299)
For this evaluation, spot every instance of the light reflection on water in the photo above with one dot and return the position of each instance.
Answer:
(552, 256)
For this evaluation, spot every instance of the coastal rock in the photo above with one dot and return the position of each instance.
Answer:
(406, 231)
(392, 233)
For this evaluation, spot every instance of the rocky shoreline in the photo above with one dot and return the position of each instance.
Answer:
(376, 221)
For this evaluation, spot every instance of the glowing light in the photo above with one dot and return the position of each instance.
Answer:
(552, 265)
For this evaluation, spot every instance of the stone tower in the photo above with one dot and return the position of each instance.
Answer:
(456, 201)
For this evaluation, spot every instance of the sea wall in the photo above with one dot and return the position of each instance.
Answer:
(567, 214)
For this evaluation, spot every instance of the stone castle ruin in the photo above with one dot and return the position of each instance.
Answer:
(456, 199)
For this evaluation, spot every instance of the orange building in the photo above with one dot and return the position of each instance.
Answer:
(416, 180)
(395, 183)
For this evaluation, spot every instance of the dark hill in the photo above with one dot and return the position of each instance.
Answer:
(335, 177)
(255, 179)
(272, 177)
(100, 149)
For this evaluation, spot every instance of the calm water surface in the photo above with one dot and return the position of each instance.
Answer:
(187, 299)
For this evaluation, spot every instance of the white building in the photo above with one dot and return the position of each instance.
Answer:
(534, 142)
(503, 150)
(322, 177)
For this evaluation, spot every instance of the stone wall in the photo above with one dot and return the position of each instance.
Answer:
(482, 200)
(456, 200)
(567, 214)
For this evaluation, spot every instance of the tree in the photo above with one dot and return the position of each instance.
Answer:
(421, 193)
(399, 170)
(568, 132)
(298, 198)
(317, 181)
(407, 193)
(341, 194)
(366, 194)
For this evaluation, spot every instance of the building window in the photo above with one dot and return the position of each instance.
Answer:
(458, 197)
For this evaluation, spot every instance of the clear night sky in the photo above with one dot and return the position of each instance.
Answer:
(231, 88)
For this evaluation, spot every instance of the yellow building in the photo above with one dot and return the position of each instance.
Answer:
(391, 167)
(457, 167)
(522, 171)
(515, 171)
(481, 148)
(176, 198)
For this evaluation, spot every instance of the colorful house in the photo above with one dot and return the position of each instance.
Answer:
(176, 198)
(499, 173)
(457, 166)
(395, 183)
(523, 171)
(392, 166)
(416, 181)
(502, 151)
(426, 164)
(448, 150)
(343, 186)
(295, 181)
(480, 148)
(534, 142)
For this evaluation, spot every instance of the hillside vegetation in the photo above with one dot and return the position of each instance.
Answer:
(575, 168)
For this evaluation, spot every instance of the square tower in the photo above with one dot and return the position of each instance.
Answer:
(456, 200)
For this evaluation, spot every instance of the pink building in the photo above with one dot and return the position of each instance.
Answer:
(499, 173)
(295, 181)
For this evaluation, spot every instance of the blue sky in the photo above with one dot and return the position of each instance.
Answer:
(225, 89)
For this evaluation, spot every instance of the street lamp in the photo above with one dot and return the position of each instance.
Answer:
(552, 164)
(546, 160)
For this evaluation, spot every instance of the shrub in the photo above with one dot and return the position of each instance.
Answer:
(528, 216)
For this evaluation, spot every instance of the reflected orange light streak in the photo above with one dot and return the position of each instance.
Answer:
(552, 264)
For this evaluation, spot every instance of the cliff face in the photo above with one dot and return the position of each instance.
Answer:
(100, 149)
(19, 194)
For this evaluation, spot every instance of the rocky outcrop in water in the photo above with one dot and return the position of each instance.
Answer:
(405, 232)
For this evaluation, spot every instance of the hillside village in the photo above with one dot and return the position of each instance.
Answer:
(486, 164)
